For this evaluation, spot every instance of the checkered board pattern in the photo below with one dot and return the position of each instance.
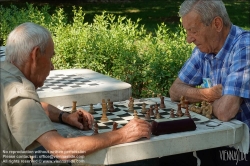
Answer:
(65, 81)
(2, 53)
(122, 116)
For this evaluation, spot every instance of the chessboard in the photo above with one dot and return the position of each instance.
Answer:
(121, 114)
(63, 81)
(83, 85)
(2, 53)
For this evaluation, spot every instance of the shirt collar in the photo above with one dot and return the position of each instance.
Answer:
(225, 48)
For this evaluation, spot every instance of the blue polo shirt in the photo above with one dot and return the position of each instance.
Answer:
(230, 67)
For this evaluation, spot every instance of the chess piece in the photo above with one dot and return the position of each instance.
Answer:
(162, 105)
(131, 105)
(111, 106)
(187, 113)
(147, 115)
(172, 113)
(74, 107)
(179, 111)
(114, 126)
(209, 111)
(104, 117)
(158, 116)
(143, 110)
(95, 128)
(136, 115)
(192, 107)
(91, 109)
(156, 111)
(182, 101)
(131, 100)
(151, 111)
(198, 110)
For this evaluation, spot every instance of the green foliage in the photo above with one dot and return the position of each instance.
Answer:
(112, 45)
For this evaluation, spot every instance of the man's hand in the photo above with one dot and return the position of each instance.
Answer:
(193, 94)
(80, 119)
(135, 129)
(213, 93)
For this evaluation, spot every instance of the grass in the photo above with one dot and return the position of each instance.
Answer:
(150, 12)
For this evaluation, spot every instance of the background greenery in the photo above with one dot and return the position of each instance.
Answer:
(140, 42)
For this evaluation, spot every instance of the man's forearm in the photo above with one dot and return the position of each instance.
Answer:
(192, 94)
(52, 111)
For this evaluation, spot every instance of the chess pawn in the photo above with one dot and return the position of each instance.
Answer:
(136, 115)
(208, 116)
(186, 103)
(179, 111)
(172, 113)
(187, 113)
(74, 107)
(95, 128)
(204, 110)
(143, 108)
(182, 101)
(210, 108)
(162, 105)
(151, 111)
(198, 110)
(91, 109)
(192, 108)
(111, 106)
(147, 115)
(158, 116)
(156, 111)
(114, 126)
(131, 107)
(130, 101)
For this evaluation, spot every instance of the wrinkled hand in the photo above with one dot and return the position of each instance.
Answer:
(213, 93)
(80, 119)
(136, 129)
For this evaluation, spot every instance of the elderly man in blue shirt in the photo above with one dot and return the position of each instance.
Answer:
(222, 57)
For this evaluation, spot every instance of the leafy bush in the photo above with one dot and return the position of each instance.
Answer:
(111, 45)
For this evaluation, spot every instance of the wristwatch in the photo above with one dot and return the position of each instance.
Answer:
(60, 117)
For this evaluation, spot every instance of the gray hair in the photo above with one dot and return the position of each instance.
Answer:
(207, 9)
(23, 39)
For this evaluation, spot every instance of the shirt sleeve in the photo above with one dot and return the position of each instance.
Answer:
(238, 81)
(191, 72)
(27, 121)
(25, 116)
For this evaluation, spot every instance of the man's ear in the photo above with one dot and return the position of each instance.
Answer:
(34, 55)
(218, 24)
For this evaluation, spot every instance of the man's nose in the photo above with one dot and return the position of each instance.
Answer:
(190, 39)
